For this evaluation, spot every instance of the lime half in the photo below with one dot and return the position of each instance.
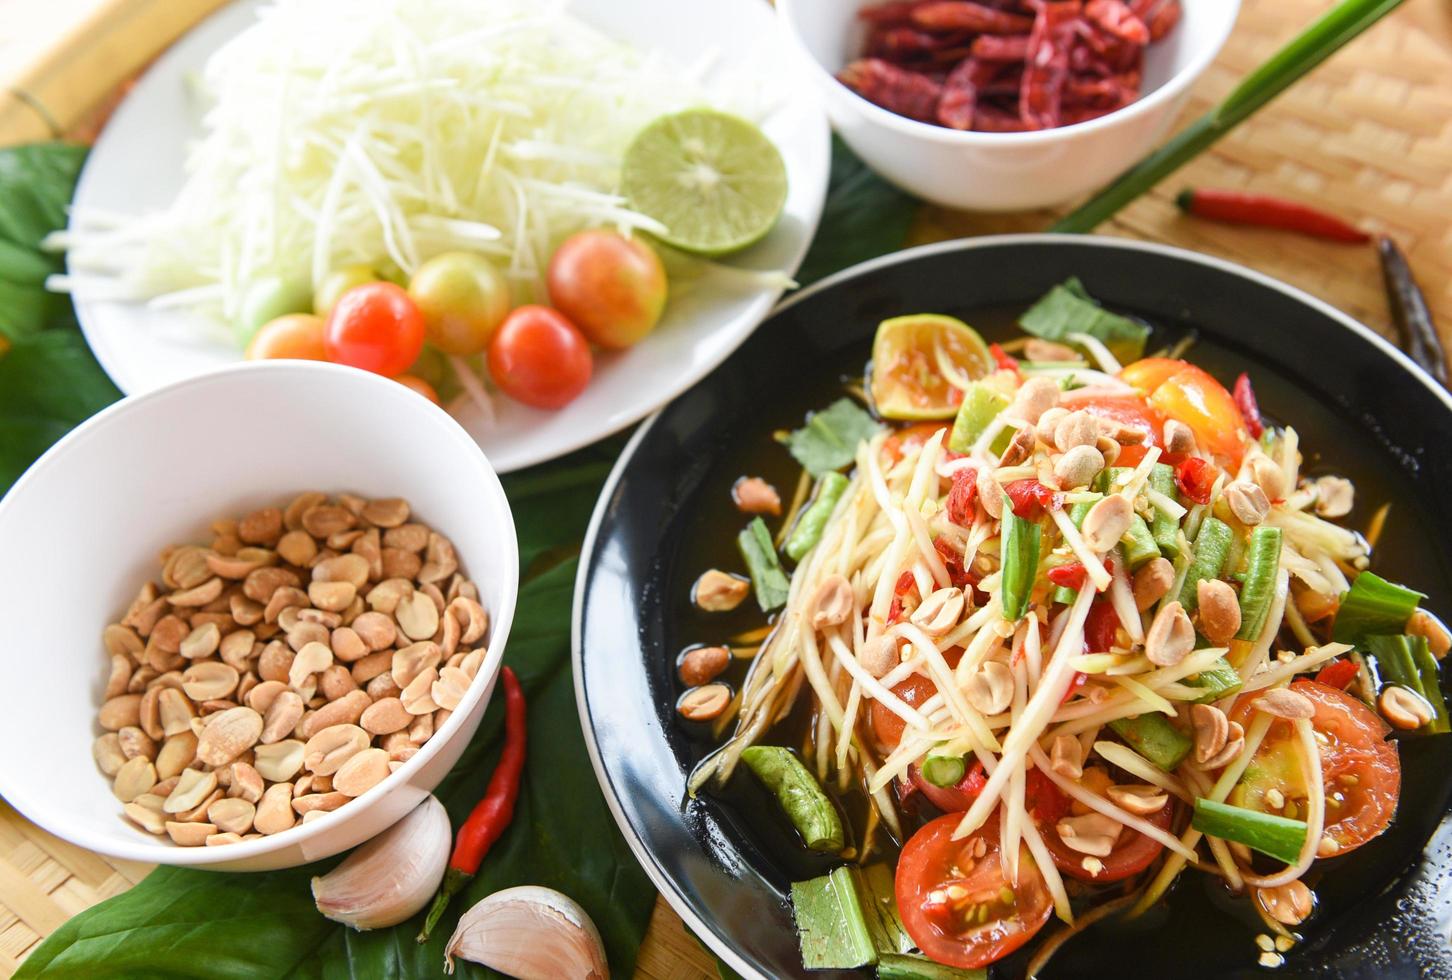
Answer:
(922, 362)
(713, 180)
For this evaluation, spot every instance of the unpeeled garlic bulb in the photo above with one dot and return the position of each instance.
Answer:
(393, 875)
(531, 933)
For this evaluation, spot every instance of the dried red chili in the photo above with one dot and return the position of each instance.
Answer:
(1047, 66)
(907, 93)
(959, 101)
(1116, 17)
(963, 15)
(1249, 408)
(1196, 478)
(999, 47)
(492, 814)
(1263, 210)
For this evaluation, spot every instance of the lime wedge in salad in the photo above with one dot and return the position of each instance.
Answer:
(921, 365)
(713, 180)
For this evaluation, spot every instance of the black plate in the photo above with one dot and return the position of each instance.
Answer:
(725, 865)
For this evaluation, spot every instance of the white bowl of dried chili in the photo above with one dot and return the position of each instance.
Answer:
(977, 82)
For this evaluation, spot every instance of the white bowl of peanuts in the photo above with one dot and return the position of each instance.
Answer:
(954, 123)
(228, 603)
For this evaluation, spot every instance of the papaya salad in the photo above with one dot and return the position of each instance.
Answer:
(1065, 622)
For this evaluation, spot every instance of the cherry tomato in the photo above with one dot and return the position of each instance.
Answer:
(612, 287)
(955, 798)
(1130, 412)
(414, 383)
(1196, 478)
(266, 299)
(1359, 767)
(463, 299)
(1044, 801)
(962, 497)
(1002, 359)
(911, 437)
(296, 335)
(1030, 498)
(1193, 397)
(958, 908)
(1133, 851)
(375, 327)
(889, 727)
(338, 282)
(539, 358)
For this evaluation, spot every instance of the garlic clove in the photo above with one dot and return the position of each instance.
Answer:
(392, 876)
(532, 933)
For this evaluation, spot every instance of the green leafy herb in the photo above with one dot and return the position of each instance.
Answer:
(1068, 308)
(829, 439)
(768, 581)
(1374, 606)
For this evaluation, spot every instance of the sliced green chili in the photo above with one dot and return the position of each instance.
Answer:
(809, 527)
(805, 802)
(1262, 566)
(759, 552)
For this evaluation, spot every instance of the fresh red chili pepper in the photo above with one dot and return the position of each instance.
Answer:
(905, 584)
(1338, 674)
(492, 814)
(1196, 478)
(962, 497)
(1241, 208)
(1030, 498)
(1002, 359)
(1076, 682)
(1249, 408)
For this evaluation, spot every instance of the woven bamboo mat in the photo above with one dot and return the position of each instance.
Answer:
(1369, 133)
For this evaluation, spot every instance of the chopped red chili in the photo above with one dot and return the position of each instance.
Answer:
(962, 497)
(1002, 359)
(1249, 407)
(1338, 674)
(1196, 478)
(1030, 498)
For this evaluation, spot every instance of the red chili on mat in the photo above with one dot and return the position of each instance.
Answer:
(1241, 208)
(492, 814)
(1005, 66)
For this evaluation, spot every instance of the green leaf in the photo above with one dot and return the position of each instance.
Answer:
(36, 183)
(864, 217)
(829, 439)
(49, 383)
(1068, 308)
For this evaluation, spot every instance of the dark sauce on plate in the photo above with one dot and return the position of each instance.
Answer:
(1199, 929)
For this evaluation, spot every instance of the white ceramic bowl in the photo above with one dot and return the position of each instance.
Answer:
(1002, 171)
(82, 528)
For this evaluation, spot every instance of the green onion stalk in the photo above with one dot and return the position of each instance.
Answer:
(1314, 45)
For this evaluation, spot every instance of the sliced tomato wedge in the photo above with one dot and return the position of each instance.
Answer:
(1359, 767)
(1130, 412)
(1182, 391)
(887, 726)
(956, 904)
(1133, 851)
(899, 442)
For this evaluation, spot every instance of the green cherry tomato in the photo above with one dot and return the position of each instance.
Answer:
(338, 282)
(265, 299)
(463, 299)
(539, 358)
(375, 327)
(613, 288)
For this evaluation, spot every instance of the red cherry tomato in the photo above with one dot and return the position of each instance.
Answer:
(1182, 391)
(1359, 767)
(296, 335)
(955, 798)
(1101, 627)
(889, 727)
(1030, 498)
(1002, 359)
(1045, 802)
(376, 327)
(613, 288)
(1133, 851)
(414, 383)
(539, 358)
(958, 908)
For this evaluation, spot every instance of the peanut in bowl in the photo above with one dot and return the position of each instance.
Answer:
(210, 463)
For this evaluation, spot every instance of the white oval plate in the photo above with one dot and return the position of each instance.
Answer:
(137, 166)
